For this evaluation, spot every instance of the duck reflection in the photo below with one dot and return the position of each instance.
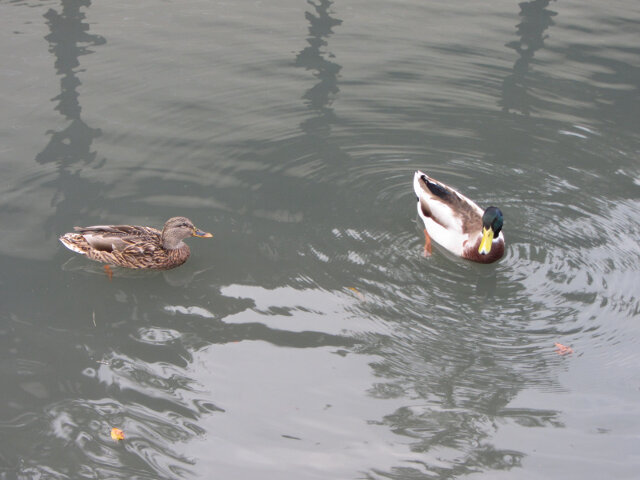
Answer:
(536, 18)
(70, 148)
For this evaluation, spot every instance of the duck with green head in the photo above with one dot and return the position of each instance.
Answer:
(457, 223)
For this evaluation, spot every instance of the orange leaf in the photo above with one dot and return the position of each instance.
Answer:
(117, 434)
(563, 349)
(357, 292)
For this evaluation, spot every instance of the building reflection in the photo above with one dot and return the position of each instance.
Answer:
(535, 19)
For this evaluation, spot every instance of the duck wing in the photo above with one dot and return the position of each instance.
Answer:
(122, 238)
(446, 206)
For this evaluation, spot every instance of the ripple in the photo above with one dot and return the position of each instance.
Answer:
(157, 336)
(34, 182)
(83, 427)
(298, 139)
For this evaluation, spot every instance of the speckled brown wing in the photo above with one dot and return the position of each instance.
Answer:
(156, 259)
(128, 233)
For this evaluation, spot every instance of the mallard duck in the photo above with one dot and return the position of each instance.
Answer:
(134, 246)
(457, 223)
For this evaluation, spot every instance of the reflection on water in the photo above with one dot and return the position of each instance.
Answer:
(312, 339)
(315, 58)
(70, 148)
(535, 19)
(321, 159)
(144, 390)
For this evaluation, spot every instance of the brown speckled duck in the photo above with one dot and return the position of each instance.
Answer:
(134, 246)
(457, 223)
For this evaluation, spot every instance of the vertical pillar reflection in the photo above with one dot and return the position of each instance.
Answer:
(70, 147)
(315, 58)
(535, 19)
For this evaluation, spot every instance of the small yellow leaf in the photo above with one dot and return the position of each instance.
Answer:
(117, 434)
(358, 293)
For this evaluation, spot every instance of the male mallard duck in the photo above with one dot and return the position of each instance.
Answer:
(457, 223)
(134, 246)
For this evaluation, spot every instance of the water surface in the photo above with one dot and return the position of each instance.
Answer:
(310, 338)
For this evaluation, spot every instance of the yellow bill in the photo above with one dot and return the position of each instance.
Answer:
(487, 239)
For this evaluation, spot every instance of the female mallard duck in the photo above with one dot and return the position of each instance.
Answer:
(457, 223)
(133, 246)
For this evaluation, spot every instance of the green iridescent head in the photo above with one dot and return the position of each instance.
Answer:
(492, 222)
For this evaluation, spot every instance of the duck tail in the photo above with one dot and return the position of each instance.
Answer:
(75, 242)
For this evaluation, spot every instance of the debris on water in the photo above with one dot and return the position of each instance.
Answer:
(117, 434)
(563, 349)
(357, 293)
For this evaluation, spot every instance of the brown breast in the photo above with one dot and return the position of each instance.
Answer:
(176, 257)
(471, 252)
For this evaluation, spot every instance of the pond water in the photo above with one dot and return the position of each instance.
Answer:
(310, 338)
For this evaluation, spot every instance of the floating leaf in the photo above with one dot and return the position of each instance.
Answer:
(357, 292)
(117, 434)
(563, 349)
